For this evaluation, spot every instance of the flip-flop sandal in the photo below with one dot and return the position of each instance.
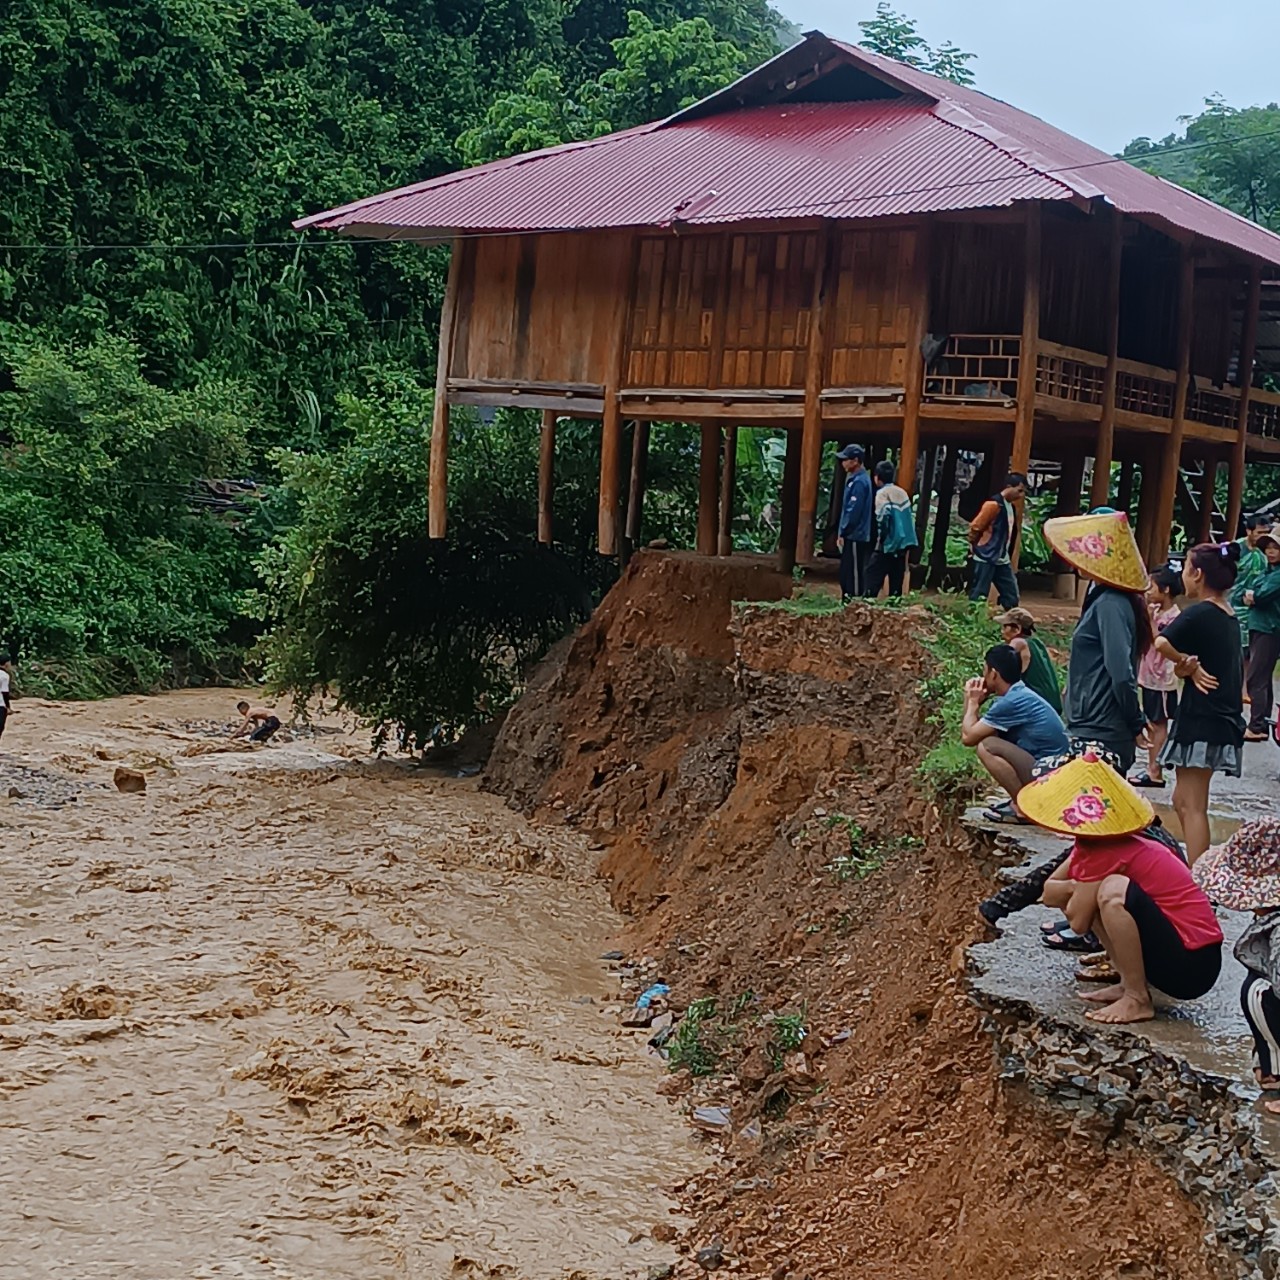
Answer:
(1144, 779)
(1098, 957)
(1005, 816)
(1104, 973)
(1070, 941)
(1055, 926)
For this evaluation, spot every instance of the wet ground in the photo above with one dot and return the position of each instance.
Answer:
(1209, 1034)
(297, 1013)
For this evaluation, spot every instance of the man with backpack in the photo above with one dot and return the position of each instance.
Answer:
(895, 528)
(993, 535)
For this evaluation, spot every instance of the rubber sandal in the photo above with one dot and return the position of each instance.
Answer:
(1144, 779)
(1070, 941)
(1097, 957)
(1104, 972)
(1056, 926)
(1004, 815)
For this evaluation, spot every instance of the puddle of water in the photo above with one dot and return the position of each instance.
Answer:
(1220, 826)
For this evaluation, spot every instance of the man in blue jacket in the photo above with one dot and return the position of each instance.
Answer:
(857, 525)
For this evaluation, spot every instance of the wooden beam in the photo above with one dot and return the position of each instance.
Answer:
(1148, 499)
(1124, 491)
(1104, 450)
(728, 487)
(709, 490)
(1244, 378)
(811, 437)
(546, 475)
(1070, 482)
(913, 375)
(1162, 525)
(942, 521)
(438, 464)
(790, 519)
(926, 497)
(639, 478)
(1025, 413)
(1207, 499)
(609, 521)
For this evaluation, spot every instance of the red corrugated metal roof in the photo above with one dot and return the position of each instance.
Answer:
(936, 146)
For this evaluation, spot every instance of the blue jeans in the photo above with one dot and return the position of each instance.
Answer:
(987, 574)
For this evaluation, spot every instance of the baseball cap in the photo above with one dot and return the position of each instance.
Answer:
(851, 451)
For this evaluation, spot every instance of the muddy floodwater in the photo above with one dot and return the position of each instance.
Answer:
(295, 1013)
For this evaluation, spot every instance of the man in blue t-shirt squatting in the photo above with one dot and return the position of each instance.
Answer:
(1017, 726)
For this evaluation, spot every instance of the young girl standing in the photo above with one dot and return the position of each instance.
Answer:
(1156, 677)
(1203, 643)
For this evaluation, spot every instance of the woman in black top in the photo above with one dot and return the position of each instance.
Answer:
(1203, 642)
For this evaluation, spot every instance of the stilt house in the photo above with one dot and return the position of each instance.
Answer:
(846, 247)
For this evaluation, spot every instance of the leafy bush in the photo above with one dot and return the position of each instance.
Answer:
(109, 572)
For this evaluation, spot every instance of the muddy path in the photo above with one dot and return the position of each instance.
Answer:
(296, 1013)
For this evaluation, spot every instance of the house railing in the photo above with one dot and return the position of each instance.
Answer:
(975, 367)
(1068, 373)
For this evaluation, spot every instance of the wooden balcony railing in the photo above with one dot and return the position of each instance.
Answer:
(1264, 414)
(1067, 373)
(975, 366)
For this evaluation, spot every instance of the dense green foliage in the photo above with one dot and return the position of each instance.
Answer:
(897, 36)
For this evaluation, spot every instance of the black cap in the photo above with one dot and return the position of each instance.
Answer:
(851, 451)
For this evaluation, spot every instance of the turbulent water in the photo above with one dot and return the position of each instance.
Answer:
(297, 1013)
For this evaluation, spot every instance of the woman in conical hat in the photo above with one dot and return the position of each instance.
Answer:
(1244, 874)
(1103, 705)
(1157, 926)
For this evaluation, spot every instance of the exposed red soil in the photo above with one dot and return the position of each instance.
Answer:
(722, 775)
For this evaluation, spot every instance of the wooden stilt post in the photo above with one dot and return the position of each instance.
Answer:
(1244, 377)
(924, 500)
(1070, 483)
(1025, 414)
(1124, 492)
(942, 522)
(609, 522)
(811, 439)
(728, 489)
(1104, 450)
(709, 490)
(1148, 501)
(546, 475)
(1207, 499)
(639, 477)
(438, 464)
(790, 520)
(913, 373)
(1162, 525)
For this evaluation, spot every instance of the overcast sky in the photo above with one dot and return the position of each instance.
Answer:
(1104, 70)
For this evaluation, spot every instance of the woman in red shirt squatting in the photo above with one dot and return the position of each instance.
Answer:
(1156, 924)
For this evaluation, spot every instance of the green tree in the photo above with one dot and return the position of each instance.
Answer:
(895, 35)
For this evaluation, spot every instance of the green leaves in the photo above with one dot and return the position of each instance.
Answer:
(894, 35)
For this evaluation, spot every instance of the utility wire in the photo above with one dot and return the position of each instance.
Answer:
(243, 245)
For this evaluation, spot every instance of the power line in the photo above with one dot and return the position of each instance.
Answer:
(244, 246)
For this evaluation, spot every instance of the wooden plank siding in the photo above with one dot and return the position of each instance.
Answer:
(872, 301)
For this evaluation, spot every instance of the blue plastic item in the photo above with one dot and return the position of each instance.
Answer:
(648, 997)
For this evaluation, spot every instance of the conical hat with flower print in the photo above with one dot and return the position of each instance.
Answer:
(1102, 546)
(1085, 797)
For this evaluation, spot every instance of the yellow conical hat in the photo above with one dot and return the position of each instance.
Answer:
(1101, 546)
(1085, 797)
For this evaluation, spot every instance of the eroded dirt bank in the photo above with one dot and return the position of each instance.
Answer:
(291, 1014)
(732, 781)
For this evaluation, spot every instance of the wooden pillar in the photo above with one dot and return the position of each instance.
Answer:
(639, 477)
(1104, 450)
(546, 475)
(1162, 524)
(811, 438)
(1244, 377)
(1149, 500)
(913, 373)
(1025, 414)
(609, 520)
(789, 523)
(942, 522)
(728, 487)
(709, 490)
(1070, 482)
(438, 463)
(1124, 491)
(924, 500)
(1207, 499)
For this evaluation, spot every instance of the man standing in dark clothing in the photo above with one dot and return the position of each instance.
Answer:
(856, 523)
(993, 534)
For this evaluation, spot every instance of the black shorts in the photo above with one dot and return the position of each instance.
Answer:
(1171, 967)
(4, 715)
(1159, 705)
(265, 730)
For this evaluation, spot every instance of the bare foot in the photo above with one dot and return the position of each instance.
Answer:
(1128, 1008)
(1265, 1082)
(1272, 1108)
(1103, 995)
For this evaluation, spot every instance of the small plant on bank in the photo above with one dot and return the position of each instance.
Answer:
(866, 855)
(786, 1034)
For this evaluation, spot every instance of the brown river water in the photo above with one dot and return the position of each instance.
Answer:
(295, 1013)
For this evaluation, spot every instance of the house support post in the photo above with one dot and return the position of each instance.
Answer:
(709, 490)
(728, 486)
(1244, 377)
(942, 522)
(546, 475)
(913, 373)
(438, 464)
(1162, 525)
(811, 437)
(1104, 450)
(1124, 493)
(1025, 414)
(789, 521)
(1207, 498)
(639, 476)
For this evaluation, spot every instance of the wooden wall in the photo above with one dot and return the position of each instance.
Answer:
(870, 319)
(976, 284)
(1075, 259)
(539, 308)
